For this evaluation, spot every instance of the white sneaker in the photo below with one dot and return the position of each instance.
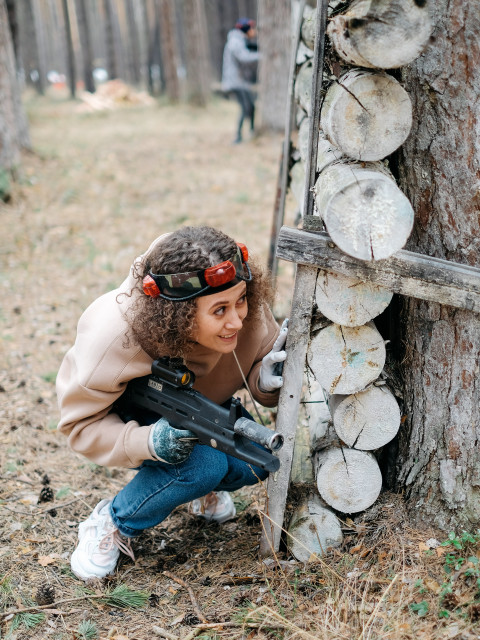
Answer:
(99, 546)
(216, 505)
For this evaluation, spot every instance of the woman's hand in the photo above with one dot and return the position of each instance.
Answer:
(269, 379)
(169, 444)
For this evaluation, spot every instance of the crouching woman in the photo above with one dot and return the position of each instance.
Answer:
(194, 295)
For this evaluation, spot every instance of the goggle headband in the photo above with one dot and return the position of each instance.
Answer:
(184, 286)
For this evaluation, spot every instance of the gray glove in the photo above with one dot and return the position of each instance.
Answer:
(170, 445)
(269, 379)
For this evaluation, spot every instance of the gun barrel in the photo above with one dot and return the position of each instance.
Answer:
(258, 433)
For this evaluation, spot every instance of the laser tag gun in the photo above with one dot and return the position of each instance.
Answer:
(168, 393)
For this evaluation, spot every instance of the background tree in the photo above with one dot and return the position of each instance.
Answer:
(197, 52)
(438, 461)
(29, 45)
(169, 48)
(70, 55)
(13, 124)
(86, 44)
(110, 52)
(274, 37)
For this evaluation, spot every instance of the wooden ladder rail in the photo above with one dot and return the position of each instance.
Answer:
(299, 325)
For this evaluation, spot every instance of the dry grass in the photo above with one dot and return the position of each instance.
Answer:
(97, 188)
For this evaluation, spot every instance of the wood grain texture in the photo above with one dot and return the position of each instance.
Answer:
(408, 273)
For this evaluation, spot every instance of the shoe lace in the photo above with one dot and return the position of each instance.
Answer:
(210, 502)
(115, 539)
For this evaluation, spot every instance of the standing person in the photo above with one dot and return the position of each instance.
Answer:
(238, 60)
(194, 294)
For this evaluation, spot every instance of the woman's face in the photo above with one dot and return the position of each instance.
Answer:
(220, 317)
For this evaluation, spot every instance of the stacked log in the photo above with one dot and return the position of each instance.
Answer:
(366, 115)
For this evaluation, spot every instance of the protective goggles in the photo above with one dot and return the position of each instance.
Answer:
(183, 286)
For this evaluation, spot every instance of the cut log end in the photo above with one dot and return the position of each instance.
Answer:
(313, 530)
(364, 211)
(348, 301)
(366, 114)
(366, 420)
(346, 359)
(384, 35)
(348, 480)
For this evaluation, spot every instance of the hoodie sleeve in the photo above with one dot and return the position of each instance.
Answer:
(92, 376)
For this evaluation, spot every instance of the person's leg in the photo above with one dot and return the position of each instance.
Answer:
(243, 102)
(158, 488)
(250, 108)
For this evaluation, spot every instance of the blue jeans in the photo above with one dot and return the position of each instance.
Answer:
(158, 488)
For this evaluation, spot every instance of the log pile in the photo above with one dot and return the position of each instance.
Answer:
(365, 116)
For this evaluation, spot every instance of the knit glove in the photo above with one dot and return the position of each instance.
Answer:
(170, 445)
(270, 372)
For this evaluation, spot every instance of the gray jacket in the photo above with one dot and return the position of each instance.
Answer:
(237, 61)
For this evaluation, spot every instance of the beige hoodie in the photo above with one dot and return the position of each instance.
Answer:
(96, 370)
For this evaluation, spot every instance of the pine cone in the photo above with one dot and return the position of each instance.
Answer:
(450, 601)
(474, 612)
(45, 594)
(46, 495)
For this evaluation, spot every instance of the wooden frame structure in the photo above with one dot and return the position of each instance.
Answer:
(406, 273)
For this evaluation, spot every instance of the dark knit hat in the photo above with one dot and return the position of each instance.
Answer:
(244, 24)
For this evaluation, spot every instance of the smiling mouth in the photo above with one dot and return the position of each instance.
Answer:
(231, 335)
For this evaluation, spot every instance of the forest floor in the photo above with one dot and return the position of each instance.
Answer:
(96, 189)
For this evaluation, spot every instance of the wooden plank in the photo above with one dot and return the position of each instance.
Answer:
(288, 406)
(411, 274)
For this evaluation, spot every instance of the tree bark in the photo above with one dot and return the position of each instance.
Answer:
(275, 34)
(34, 72)
(133, 42)
(197, 54)
(71, 71)
(111, 56)
(439, 457)
(13, 128)
(169, 48)
(86, 44)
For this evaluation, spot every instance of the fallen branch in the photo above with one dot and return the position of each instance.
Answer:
(163, 633)
(52, 605)
(181, 582)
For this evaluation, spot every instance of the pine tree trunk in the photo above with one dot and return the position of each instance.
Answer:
(34, 72)
(71, 71)
(111, 56)
(169, 48)
(275, 35)
(85, 41)
(13, 130)
(439, 457)
(133, 41)
(197, 54)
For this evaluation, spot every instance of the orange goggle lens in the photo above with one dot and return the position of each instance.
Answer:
(220, 274)
(150, 287)
(244, 251)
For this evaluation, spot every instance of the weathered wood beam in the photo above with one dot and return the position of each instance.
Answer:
(288, 407)
(408, 273)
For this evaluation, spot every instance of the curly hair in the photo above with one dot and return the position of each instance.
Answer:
(165, 327)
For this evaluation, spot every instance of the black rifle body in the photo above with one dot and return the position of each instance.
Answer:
(168, 393)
